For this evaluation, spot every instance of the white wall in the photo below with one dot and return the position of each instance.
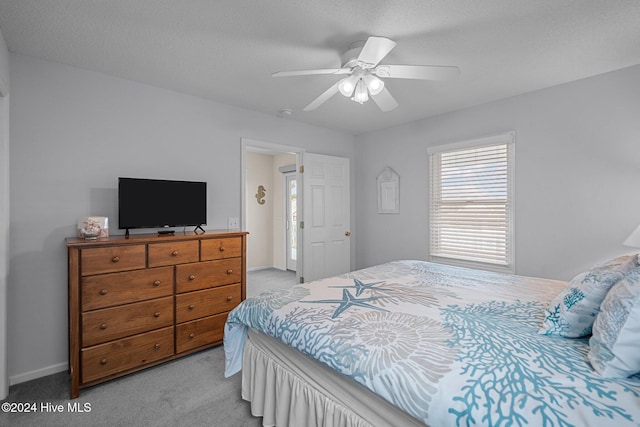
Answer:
(73, 132)
(577, 174)
(4, 212)
(259, 217)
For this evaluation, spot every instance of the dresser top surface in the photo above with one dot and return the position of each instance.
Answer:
(153, 238)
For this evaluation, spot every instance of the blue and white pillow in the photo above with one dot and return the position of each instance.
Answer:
(572, 313)
(615, 344)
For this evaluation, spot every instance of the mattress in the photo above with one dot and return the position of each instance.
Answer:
(446, 345)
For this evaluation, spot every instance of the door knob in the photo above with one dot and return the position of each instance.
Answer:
(347, 233)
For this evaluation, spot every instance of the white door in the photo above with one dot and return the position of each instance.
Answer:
(326, 248)
(291, 194)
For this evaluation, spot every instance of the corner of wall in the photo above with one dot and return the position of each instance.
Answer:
(4, 213)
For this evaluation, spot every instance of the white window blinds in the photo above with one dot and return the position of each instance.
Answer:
(471, 203)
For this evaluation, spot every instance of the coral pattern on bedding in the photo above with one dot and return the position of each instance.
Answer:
(572, 313)
(450, 346)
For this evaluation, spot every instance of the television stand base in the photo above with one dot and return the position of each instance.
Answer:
(164, 232)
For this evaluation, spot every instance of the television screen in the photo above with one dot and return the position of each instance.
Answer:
(152, 203)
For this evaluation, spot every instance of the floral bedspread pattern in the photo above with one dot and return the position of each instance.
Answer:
(450, 346)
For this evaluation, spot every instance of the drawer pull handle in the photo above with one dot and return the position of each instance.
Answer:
(103, 362)
(156, 314)
(156, 347)
(103, 292)
(191, 335)
(229, 298)
(156, 283)
(192, 277)
(221, 248)
(115, 259)
(229, 271)
(103, 326)
(174, 253)
(191, 307)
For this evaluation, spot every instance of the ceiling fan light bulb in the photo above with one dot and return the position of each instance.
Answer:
(361, 94)
(374, 84)
(346, 86)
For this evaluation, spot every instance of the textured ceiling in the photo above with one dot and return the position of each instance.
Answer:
(226, 50)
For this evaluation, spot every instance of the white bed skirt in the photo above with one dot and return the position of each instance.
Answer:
(287, 388)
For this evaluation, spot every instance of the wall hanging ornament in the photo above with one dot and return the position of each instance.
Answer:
(388, 191)
(260, 194)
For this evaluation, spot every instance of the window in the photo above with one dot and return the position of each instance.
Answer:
(471, 203)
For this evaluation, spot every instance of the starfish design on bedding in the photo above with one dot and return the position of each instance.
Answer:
(361, 286)
(347, 301)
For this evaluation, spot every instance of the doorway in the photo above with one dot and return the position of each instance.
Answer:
(323, 245)
(272, 243)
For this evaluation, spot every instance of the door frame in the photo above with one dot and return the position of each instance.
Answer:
(259, 146)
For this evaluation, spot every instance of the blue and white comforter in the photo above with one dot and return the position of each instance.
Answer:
(450, 346)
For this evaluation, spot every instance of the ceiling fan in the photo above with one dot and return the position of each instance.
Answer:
(361, 65)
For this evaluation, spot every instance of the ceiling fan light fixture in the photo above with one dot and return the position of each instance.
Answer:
(347, 85)
(374, 84)
(361, 94)
(364, 74)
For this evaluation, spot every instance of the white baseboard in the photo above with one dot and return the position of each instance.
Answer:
(262, 267)
(265, 267)
(38, 373)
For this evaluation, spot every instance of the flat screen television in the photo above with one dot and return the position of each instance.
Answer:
(158, 203)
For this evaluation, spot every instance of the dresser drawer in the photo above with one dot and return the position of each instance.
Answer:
(193, 277)
(106, 290)
(230, 247)
(108, 324)
(201, 332)
(172, 253)
(194, 305)
(107, 359)
(111, 259)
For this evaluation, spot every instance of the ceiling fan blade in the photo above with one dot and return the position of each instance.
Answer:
(311, 72)
(384, 100)
(419, 72)
(375, 49)
(322, 98)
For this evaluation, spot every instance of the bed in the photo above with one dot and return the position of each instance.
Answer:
(418, 343)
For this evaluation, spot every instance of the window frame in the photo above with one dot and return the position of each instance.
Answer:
(505, 138)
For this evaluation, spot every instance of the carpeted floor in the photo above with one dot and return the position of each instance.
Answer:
(191, 391)
(259, 281)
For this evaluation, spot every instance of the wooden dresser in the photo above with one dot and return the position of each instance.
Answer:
(139, 301)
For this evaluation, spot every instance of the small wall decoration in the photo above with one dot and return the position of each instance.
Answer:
(260, 194)
(388, 191)
(93, 227)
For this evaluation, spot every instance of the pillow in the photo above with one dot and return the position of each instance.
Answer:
(572, 312)
(615, 344)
